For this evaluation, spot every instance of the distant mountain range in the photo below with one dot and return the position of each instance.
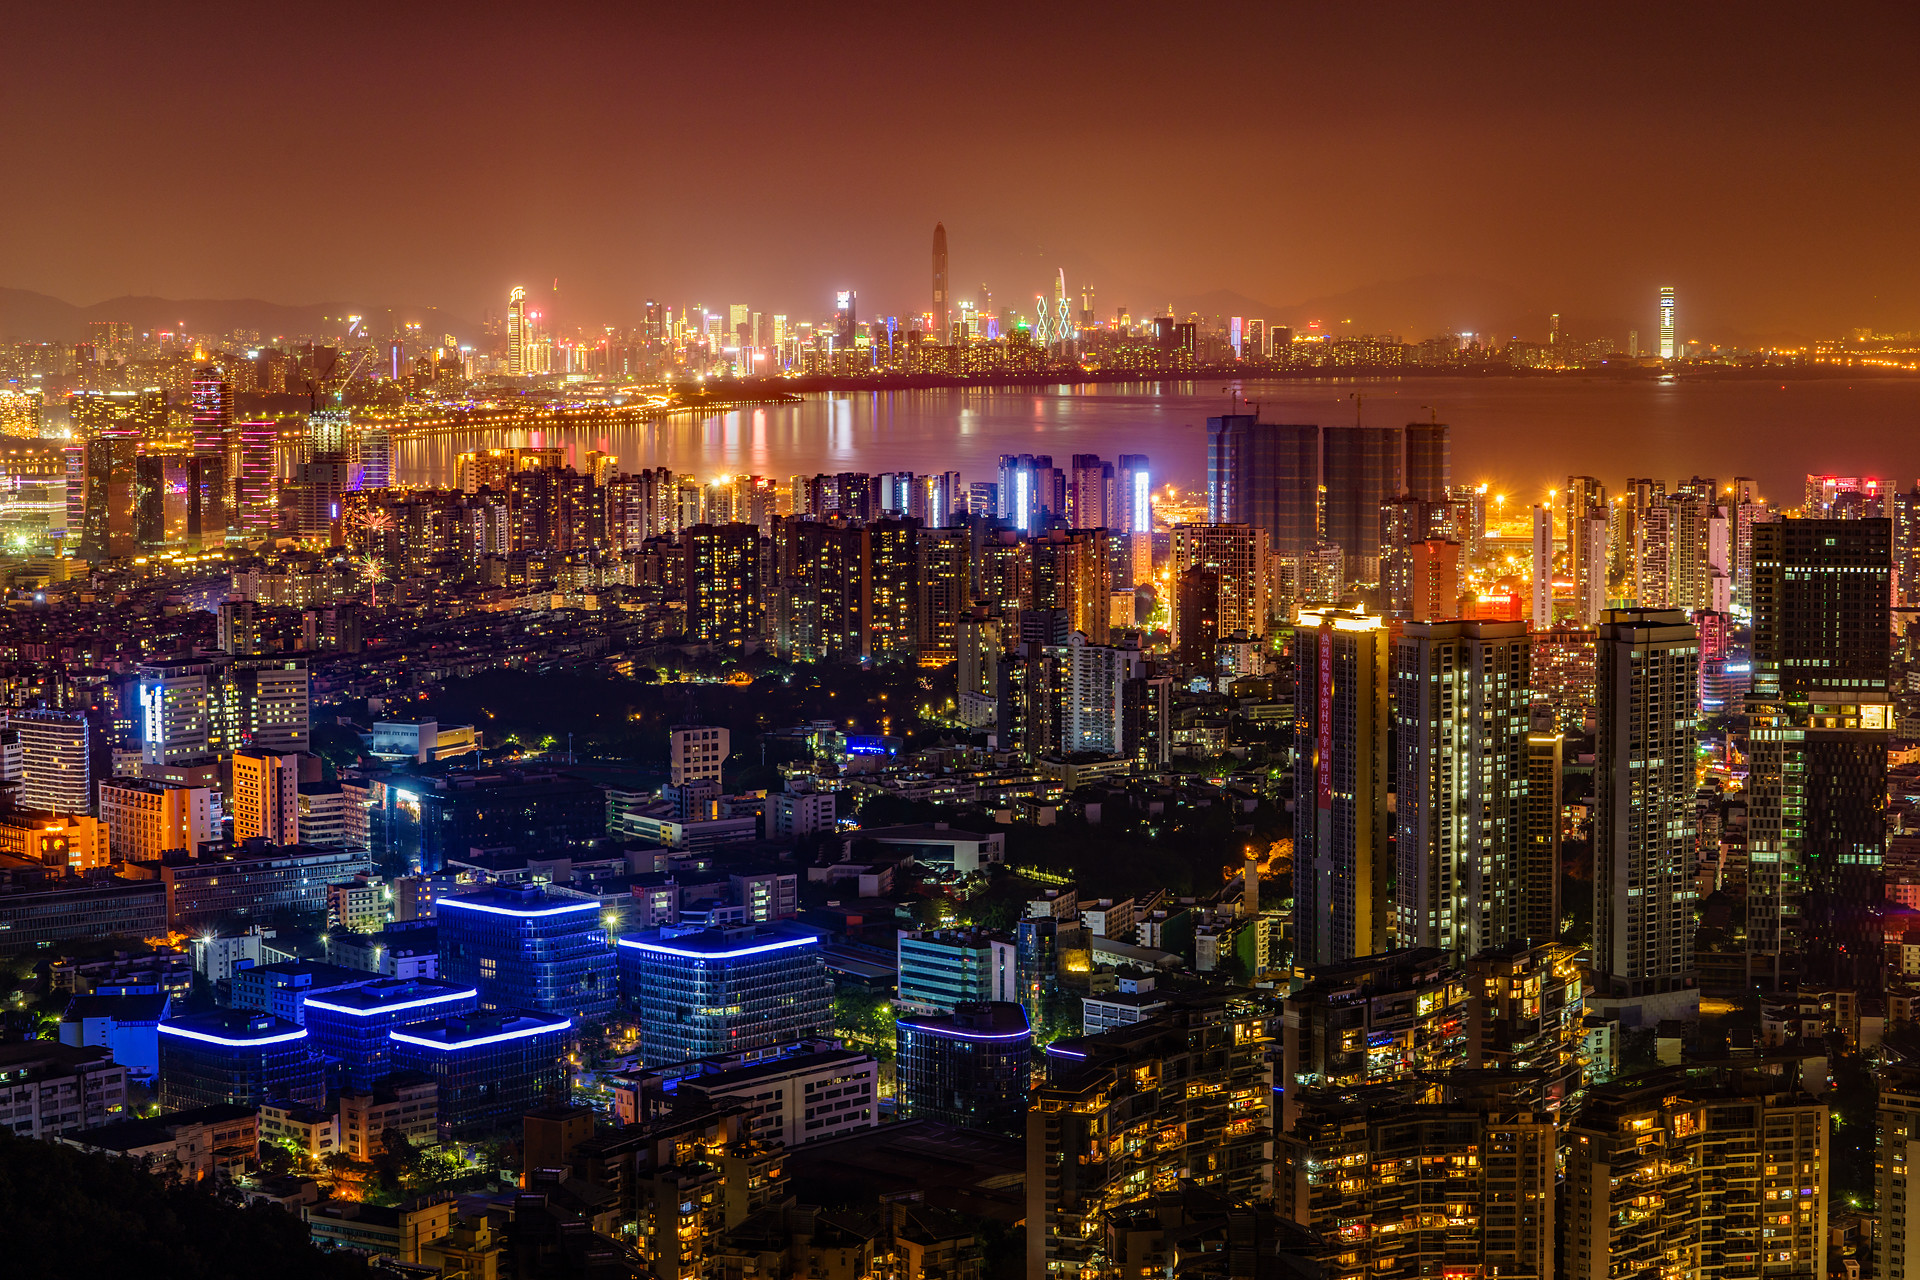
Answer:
(29, 316)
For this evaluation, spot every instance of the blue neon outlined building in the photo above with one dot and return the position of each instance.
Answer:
(351, 1027)
(491, 1068)
(240, 1057)
(700, 993)
(529, 947)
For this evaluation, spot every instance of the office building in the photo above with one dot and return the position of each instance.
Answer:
(1669, 342)
(1461, 698)
(941, 970)
(1819, 715)
(145, 819)
(419, 821)
(266, 796)
(519, 334)
(971, 1068)
(796, 1093)
(358, 904)
(1647, 682)
(793, 814)
(48, 1089)
(35, 916)
(1217, 1127)
(529, 947)
(232, 884)
(281, 987)
(240, 1057)
(491, 1068)
(1708, 1176)
(1398, 1190)
(350, 1024)
(702, 992)
(1341, 827)
(55, 768)
(942, 311)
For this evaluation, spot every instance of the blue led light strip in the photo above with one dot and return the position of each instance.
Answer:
(330, 1007)
(282, 1038)
(592, 904)
(637, 945)
(521, 1034)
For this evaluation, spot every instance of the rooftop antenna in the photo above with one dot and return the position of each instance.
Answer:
(1358, 400)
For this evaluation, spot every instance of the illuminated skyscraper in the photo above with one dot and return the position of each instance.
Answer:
(1646, 671)
(256, 478)
(519, 335)
(1669, 346)
(1542, 566)
(211, 470)
(1342, 828)
(1132, 525)
(1461, 693)
(1819, 715)
(846, 317)
(1267, 475)
(942, 297)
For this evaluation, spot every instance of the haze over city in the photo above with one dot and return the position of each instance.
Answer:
(1416, 171)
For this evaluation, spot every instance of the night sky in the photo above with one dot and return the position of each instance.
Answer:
(1761, 158)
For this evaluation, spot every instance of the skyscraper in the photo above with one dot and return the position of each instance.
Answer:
(210, 473)
(1238, 554)
(1589, 540)
(1669, 345)
(1461, 695)
(55, 764)
(1360, 468)
(1647, 680)
(1266, 475)
(1341, 824)
(1819, 715)
(519, 334)
(942, 299)
(1542, 566)
(1132, 524)
(722, 581)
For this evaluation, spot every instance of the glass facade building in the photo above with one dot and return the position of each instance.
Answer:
(491, 1068)
(971, 1068)
(529, 947)
(236, 1056)
(350, 1027)
(699, 993)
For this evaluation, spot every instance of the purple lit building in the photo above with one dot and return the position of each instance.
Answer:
(971, 1068)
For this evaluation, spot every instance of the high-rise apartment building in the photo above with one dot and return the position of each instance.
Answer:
(1237, 554)
(1543, 545)
(1819, 715)
(1341, 825)
(1215, 1125)
(1897, 1171)
(266, 796)
(1461, 696)
(1589, 537)
(1708, 1177)
(145, 819)
(723, 582)
(1368, 1176)
(1646, 672)
(56, 770)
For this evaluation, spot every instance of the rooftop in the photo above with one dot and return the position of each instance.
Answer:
(521, 900)
(240, 1028)
(722, 943)
(479, 1029)
(392, 995)
(986, 1021)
